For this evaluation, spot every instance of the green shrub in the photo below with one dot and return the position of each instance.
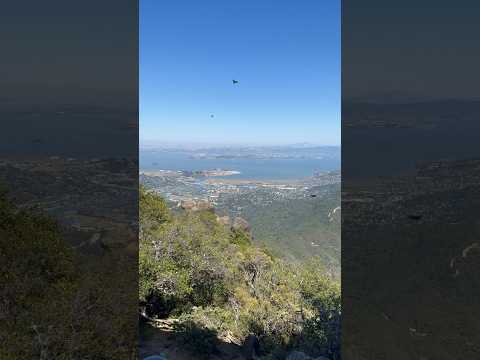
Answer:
(240, 238)
(219, 284)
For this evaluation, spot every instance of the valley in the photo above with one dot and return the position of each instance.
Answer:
(293, 218)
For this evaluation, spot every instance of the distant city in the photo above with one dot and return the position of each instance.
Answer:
(177, 186)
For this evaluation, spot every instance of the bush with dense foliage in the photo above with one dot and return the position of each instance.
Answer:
(211, 277)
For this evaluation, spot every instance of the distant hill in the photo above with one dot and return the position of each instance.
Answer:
(299, 228)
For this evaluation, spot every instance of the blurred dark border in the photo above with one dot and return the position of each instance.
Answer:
(69, 179)
(410, 180)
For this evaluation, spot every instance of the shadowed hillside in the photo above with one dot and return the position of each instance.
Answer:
(57, 303)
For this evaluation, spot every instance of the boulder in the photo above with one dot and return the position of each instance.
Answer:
(187, 204)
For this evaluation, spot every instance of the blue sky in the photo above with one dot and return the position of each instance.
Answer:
(285, 55)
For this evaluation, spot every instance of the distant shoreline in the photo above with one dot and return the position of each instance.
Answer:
(220, 176)
(253, 181)
(188, 173)
(216, 179)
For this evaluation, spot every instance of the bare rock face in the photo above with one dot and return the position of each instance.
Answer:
(224, 220)
(193, 205)
(204, 206)
(187, 204)
(241, 224)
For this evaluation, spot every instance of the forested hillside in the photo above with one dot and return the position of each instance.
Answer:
(212, 285)
(299, 228)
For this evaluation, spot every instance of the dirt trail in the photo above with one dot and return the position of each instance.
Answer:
(157, 338)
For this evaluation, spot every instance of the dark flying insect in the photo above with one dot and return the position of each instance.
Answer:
(313, 195)
(235, 81)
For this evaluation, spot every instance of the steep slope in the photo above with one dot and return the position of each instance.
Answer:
(210, 283)
(299, 228)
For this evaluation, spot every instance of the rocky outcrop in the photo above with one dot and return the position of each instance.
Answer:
(224, 220)
(205, 206)
(241, 224)
(192, 205)
(186, 204)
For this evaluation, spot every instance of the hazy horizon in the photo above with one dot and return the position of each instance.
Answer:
(151, 144)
